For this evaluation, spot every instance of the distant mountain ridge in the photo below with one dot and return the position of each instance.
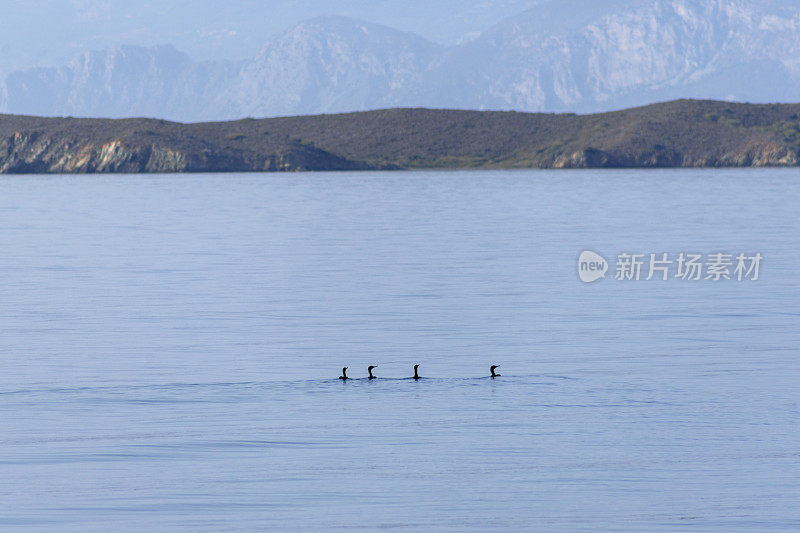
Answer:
(572, 55)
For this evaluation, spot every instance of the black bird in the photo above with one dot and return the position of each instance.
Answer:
(369, 369)
(344, 374)
(416, 375)
(492, 369)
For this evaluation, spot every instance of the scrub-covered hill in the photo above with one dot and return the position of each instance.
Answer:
(688, 133)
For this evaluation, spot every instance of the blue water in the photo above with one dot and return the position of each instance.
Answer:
(169, 348)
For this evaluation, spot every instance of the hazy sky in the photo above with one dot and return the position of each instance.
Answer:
(50, 32)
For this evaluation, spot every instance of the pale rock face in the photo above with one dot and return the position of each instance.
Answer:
(631, 53)
(113, 82)
(333, 64)
(569, 55)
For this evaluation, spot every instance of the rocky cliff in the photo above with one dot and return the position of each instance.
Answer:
(39, 151)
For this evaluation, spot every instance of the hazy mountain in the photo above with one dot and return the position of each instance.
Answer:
(576, 55)
(121, 82)
(585, 55)
(116, 82)
(321, 65)
(333, 64)
(49, 33)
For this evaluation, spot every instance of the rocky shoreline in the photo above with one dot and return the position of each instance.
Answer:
(682, 133)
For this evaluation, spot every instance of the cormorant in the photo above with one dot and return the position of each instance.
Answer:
(369, 369)
(344, 374)
(492, 369)
(416, 375)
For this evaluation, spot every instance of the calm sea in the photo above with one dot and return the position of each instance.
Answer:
(170, 347)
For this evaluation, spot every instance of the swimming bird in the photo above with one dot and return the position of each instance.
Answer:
(344, 374)
(369, 369)
(416, 375)
(492, 370)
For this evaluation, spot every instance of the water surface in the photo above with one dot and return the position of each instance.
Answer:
(169, 347)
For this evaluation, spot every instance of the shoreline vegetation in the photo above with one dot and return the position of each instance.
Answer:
(680, 133)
